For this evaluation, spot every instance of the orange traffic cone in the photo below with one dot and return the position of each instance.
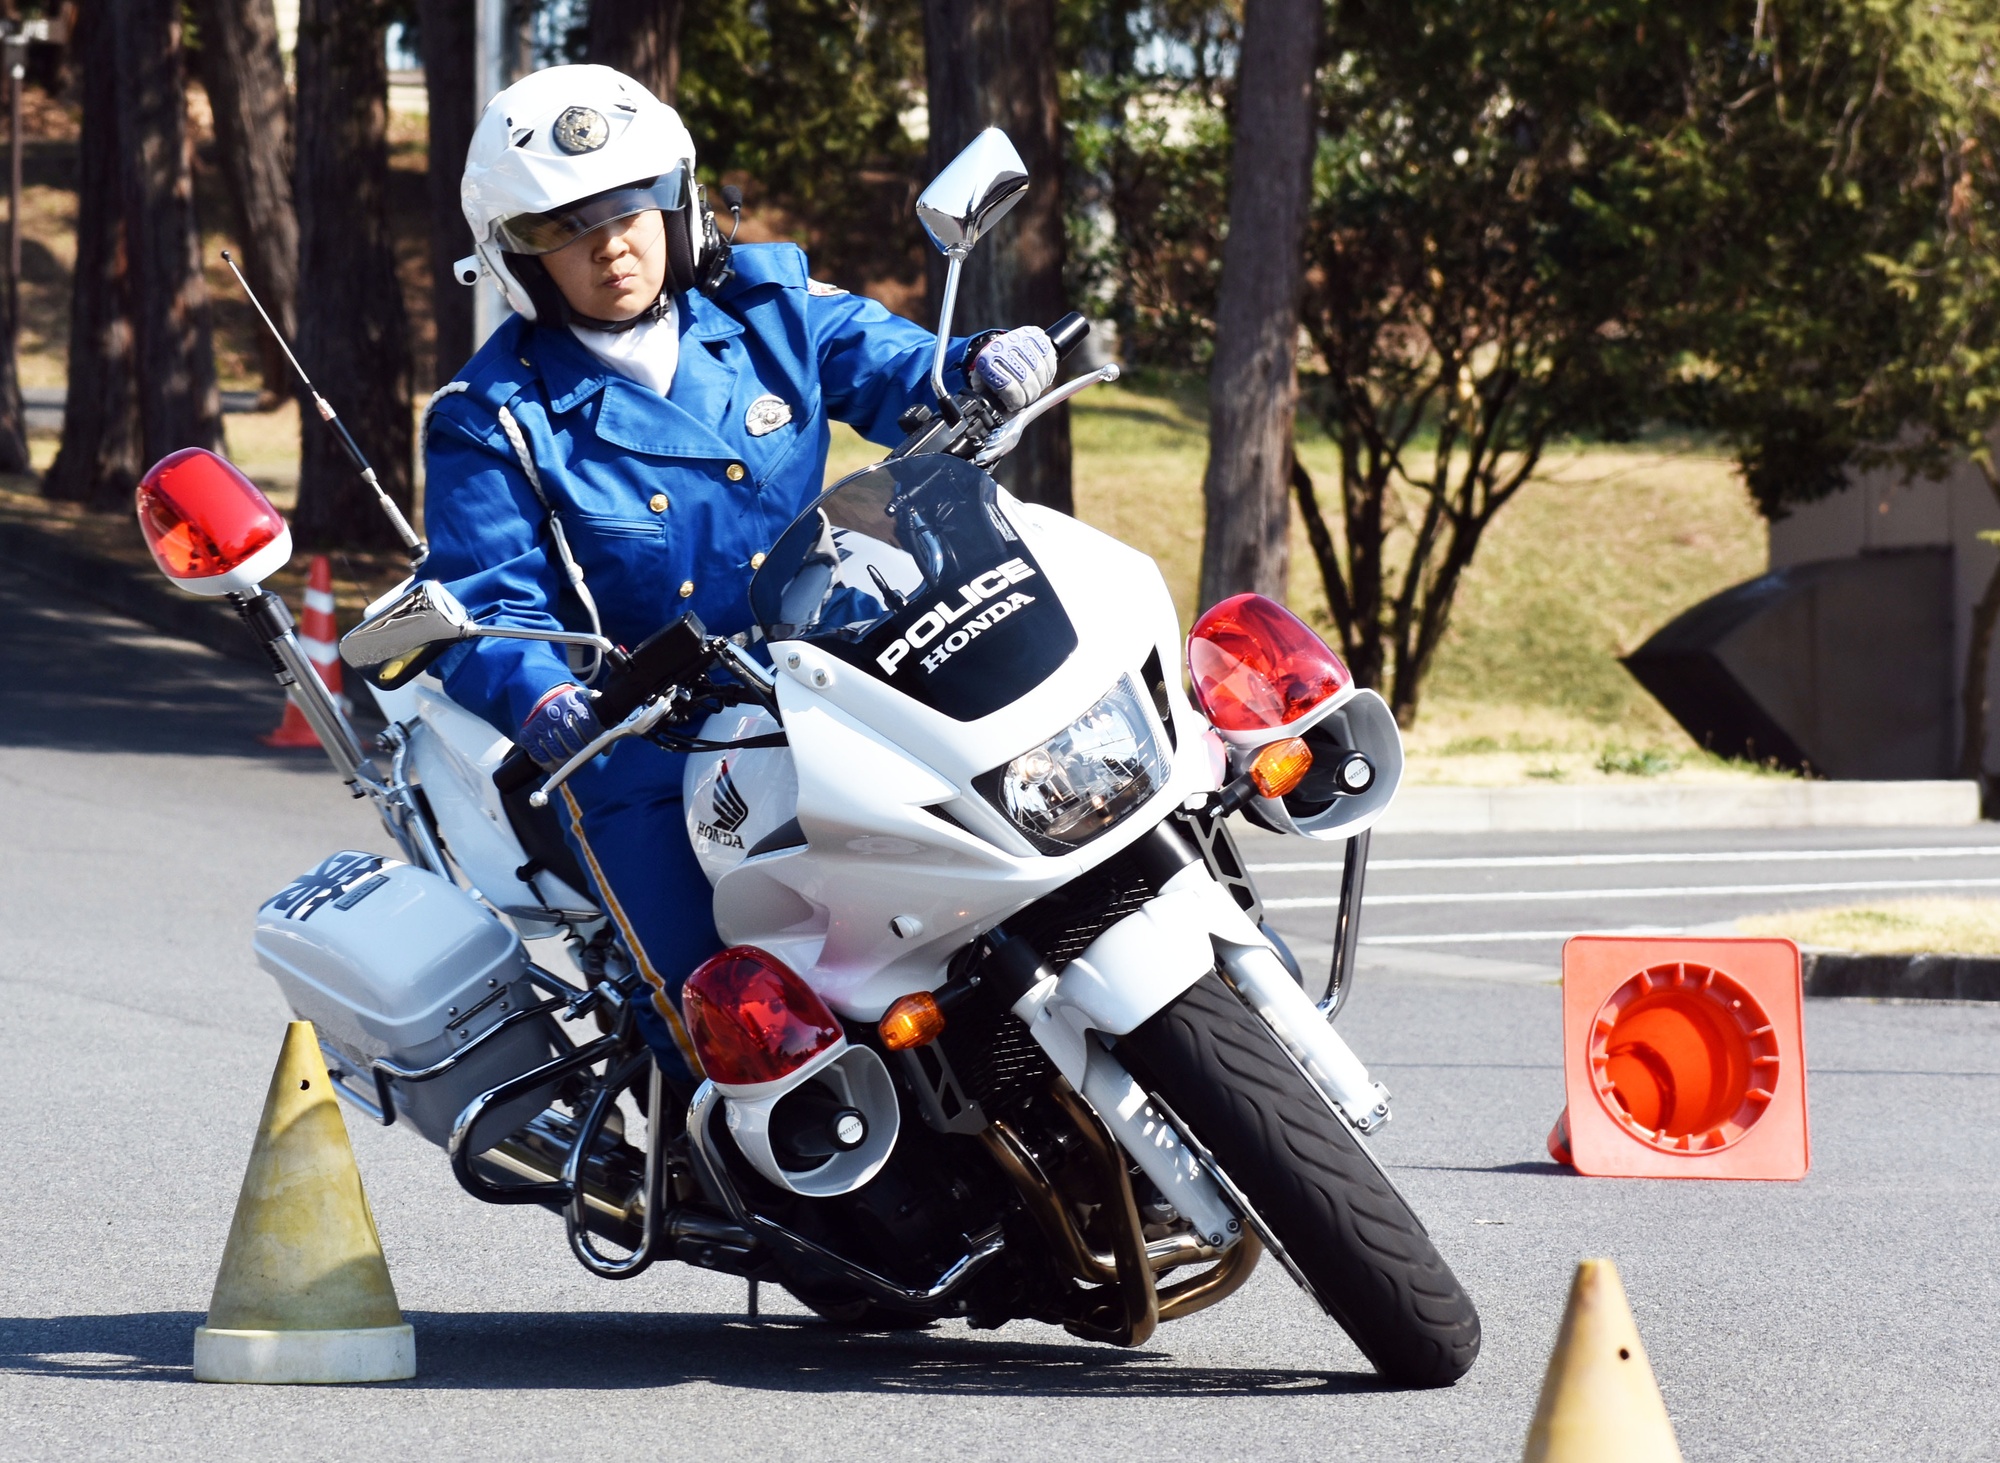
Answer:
(1683, 1058)
(317, 635)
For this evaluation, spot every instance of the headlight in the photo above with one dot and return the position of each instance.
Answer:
(1087, 777)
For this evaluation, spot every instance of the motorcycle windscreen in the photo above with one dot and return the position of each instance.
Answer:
(911, 572)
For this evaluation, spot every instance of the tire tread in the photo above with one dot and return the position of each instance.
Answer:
(1366, 1255)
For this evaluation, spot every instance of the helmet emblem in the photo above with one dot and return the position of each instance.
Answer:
(581, 129)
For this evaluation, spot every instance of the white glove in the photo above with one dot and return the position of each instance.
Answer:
(1017, 367)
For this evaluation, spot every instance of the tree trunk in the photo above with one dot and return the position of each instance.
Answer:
(1979, 653)
(1253, 384)
(992, 63)
(13, 426)
(245, 79)
(178, 402)
(1973, 702)
(351, 324)
(520, 39)
(450, 46)
(641, 38)
(98, 463)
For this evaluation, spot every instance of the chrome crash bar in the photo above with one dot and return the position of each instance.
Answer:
(712, 1169)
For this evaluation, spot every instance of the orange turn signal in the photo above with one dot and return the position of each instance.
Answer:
(911, 1020)
(1282, 766)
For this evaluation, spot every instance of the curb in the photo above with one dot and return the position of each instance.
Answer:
(128, 590)
(1904, 977)
(1762, 804)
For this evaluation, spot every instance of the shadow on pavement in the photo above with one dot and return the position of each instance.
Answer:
(619, 1350)
(1542, 1167)
(155, 1346)
(75, 676)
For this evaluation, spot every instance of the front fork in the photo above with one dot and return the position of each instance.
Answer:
(396, 800)
(1136, 969)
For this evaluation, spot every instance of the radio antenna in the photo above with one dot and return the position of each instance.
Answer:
(418, 549)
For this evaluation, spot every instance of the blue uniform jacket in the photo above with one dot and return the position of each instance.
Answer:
(666, 501)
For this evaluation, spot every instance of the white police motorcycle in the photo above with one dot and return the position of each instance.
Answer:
(999, 1033)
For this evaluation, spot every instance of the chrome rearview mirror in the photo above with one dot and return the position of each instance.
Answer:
(976, 188)
(395, 646)
(427, 614)
(973, 192)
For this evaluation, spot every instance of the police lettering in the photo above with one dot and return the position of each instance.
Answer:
(942, 617)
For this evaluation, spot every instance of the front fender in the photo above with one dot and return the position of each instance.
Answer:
(1135, 969)
(1144, 963)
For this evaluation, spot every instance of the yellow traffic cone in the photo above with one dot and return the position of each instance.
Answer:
(304, 1294)
(1599, 1401)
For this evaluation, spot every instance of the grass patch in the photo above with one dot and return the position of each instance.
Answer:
(1896, 927)
(1644, 762)
(1603, 547)
(1592, 557)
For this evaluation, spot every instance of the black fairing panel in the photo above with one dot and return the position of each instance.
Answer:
(912, 573)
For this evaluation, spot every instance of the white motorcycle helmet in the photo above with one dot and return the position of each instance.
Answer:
(566, 150)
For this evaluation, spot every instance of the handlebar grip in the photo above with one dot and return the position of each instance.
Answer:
(666, 658)
(1068, 333)
(516, 772)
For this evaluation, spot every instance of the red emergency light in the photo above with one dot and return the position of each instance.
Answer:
(752, 1019)
(1258, 667)
(211, 531)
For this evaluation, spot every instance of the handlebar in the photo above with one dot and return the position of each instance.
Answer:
(1068, 333)
(666, 658)
(1008, 437)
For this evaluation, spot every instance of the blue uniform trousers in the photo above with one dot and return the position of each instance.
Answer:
(623, 820)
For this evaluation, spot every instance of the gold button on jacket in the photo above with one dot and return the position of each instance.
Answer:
(658, 503)
(735, 472)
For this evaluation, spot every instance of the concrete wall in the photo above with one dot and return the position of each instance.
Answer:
(1885, 510)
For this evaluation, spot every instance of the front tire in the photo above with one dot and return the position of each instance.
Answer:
(1364, 1254)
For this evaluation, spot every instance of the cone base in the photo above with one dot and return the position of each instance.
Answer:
(373, 1354)
(293, 731)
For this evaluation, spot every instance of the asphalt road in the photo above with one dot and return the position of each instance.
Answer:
(1501, 905)
(1849, 1316)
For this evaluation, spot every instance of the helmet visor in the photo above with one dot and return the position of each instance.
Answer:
(544, 233)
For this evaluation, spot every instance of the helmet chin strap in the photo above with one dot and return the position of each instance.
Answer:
(662, 303)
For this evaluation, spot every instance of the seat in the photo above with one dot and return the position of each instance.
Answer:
(540, 832)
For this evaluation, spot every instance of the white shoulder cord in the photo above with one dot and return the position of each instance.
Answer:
(519, 443)
(449, 388)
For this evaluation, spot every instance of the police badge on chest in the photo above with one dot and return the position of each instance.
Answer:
(765, 415)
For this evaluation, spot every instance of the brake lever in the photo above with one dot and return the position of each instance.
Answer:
(641, 721)
(743, 664)
(1009, 436)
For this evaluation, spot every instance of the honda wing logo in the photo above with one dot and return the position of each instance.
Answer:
(728, 809)
(994, 589)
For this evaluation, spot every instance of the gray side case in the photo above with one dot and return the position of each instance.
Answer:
(392, 961)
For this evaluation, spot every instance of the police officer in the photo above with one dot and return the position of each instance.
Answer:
(629, 444)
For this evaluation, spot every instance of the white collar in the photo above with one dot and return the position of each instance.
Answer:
(647, 353)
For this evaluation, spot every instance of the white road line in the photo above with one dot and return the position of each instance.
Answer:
(1686, 891)
(1494, 937)
(1593, 860)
